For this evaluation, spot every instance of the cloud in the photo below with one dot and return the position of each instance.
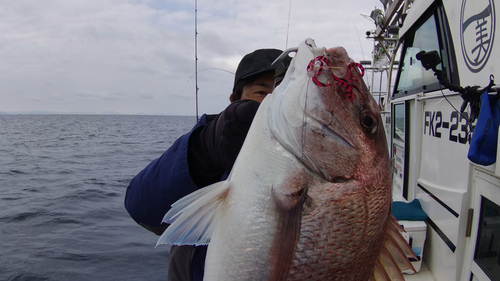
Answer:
(131, 56)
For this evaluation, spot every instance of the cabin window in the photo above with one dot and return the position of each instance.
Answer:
(399, 177)
(487, 254)
(399, 122)
(413, 77)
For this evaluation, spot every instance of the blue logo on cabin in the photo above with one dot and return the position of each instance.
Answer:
(477, 27)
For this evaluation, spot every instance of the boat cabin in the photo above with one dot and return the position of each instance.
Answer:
(429, 134)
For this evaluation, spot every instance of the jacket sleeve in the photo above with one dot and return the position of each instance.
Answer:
(213, 148)
(165, 180)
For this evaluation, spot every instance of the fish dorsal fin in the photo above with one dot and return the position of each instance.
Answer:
(379, 273)
(394, 255)
(194, 217)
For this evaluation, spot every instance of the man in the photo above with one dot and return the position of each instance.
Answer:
(202, 157)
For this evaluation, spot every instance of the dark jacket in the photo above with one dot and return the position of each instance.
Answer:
(201, 157)
(164, 181)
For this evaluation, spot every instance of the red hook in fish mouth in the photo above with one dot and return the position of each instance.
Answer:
(316, 66)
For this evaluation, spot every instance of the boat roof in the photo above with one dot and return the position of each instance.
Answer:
(417, 9)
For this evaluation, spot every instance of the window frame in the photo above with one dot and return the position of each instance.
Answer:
(446, 51)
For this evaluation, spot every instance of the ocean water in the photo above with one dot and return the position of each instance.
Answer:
(62, 184)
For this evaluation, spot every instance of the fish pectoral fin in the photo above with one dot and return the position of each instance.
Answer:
(289, 197)
(291, 191)
(288, 200)
(194, 217)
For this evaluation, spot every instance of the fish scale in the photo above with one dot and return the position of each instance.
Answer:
(343, 240)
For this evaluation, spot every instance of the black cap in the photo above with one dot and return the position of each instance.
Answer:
(257, 62)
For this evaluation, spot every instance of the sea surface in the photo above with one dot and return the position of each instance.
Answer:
(62, 185)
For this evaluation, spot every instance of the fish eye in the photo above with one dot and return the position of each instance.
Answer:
(368, 121)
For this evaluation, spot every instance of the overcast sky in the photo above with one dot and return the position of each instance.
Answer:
(137, 56)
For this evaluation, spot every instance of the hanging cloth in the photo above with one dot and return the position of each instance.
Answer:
(483, 145)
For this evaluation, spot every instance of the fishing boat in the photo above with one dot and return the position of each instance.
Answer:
(429, 121)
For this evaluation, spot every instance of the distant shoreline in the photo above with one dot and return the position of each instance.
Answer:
(87, 113)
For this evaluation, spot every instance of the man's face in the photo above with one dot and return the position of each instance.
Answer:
(263, 86)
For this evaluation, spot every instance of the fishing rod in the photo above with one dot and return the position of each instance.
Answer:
(287, 51)
(196, 54)
(288, 26)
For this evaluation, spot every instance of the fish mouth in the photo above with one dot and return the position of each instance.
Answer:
(325, 175)
(341, 180)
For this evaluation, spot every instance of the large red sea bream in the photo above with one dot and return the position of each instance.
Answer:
(309, 195)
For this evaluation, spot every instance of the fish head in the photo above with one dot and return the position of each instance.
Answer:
(325, 115)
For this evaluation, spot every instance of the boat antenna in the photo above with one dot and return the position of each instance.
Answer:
(359, 39)
(196, 54)
(288, 27)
